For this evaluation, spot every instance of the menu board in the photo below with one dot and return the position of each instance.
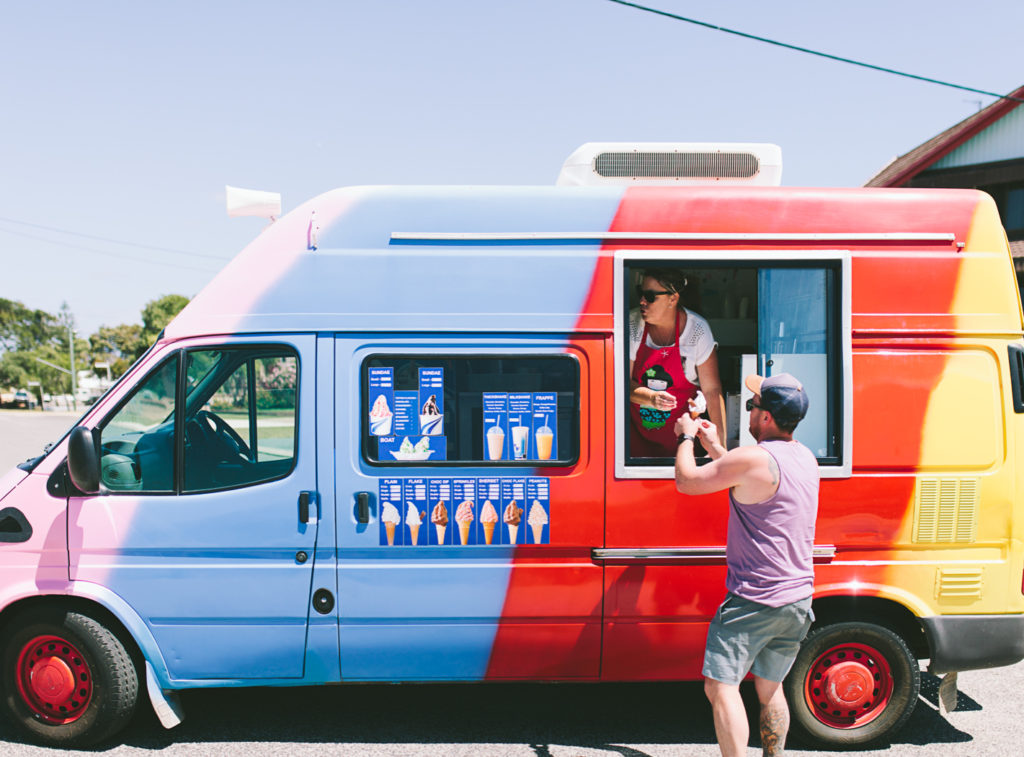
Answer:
(408, 424)
(464, 511)
(520, 425)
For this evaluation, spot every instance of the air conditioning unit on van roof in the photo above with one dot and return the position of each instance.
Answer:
(673, 164)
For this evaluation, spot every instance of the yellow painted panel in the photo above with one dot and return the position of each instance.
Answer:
(986, 297)
(963, 426)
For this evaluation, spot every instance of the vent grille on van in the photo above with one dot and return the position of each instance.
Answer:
(667, 165)
(958, 583)
(946, 510)
(673, 164)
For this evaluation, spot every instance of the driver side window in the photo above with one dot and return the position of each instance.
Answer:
(237, 408)
(240, 412)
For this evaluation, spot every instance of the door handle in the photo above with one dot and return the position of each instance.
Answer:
(362, 507)
(307, 507)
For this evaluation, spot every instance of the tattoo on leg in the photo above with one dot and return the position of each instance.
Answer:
(774, 726)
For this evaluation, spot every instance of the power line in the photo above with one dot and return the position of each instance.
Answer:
(818, 53)
(114, 241)
(104, 252)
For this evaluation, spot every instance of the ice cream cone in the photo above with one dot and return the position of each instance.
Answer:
(414, 531)
(464, 532)
(538, 532)
(488, 532)
(513, 532)
(390, 528)
(440, 527)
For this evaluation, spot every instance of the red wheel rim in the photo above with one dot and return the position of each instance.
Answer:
(848, 685)
(54, 679)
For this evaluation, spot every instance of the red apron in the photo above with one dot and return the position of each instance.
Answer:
(661, 369)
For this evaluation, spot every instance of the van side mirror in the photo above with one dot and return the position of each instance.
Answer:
(84, 460)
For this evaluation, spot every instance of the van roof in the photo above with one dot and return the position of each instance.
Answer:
(539, 259)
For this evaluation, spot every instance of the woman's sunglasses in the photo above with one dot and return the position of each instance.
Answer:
(650, 295)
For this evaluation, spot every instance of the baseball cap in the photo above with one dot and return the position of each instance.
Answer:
(781, 395)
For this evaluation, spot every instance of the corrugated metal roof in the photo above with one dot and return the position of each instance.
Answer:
(905, 167)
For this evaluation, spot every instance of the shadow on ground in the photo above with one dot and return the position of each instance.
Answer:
(597, 716)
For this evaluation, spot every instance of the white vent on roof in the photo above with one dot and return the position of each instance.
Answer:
(673, 164)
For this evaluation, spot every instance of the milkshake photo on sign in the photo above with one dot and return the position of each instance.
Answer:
(520, 407)
(495, 412)
(544, 414)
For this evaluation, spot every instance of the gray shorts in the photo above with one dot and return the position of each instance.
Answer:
(746, 636)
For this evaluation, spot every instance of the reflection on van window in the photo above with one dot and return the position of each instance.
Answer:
(239, 409)
(240, 418)
(423, 410)
(137, 444)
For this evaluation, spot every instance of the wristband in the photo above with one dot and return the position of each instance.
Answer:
(684, 438)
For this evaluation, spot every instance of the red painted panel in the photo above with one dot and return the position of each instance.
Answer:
(551, 617)
(661, 608)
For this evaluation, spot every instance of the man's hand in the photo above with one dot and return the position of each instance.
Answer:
(708, 433)
(685, 425)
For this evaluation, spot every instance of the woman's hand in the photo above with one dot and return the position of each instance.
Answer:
(663, 401)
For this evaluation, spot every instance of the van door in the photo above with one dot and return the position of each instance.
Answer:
(200, 528)
(470, 497)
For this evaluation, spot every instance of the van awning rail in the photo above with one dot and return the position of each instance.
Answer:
(666, 236)
(822, 553)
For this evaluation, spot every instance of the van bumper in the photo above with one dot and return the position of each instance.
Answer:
(972, 642)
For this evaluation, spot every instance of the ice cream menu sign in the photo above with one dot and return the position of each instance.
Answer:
(464, 511)
(408, 424)
(520, 425)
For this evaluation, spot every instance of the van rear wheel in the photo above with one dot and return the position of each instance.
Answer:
(852, 684)
(67, 680)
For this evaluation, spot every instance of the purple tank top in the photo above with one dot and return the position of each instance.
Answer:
(770, 548)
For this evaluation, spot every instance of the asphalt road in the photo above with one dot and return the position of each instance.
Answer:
(504, 720)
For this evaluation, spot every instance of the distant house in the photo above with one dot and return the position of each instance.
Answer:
(984, 151)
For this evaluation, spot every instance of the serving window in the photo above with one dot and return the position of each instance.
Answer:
(745, 312)
(470, 410)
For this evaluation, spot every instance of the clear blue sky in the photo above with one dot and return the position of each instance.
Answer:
(124, 120)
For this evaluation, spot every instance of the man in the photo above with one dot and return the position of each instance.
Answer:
(773, 503)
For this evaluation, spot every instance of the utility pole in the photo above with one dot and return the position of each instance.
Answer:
(71, 346)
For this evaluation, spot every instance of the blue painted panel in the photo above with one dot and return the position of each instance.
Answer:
(213, 575)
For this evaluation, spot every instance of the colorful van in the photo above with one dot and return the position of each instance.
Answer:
(390, 442)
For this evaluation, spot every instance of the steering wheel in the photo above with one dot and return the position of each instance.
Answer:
(224, 435)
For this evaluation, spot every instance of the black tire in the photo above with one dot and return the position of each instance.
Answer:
(67, 680)
(828, 688)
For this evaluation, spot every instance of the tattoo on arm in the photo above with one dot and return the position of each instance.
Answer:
(774, 725)
(774, 468)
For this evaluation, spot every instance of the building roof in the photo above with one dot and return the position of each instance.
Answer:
(905, 167)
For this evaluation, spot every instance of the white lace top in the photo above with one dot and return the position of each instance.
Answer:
(696, 342)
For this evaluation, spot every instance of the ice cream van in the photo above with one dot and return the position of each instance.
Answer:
(391, 441)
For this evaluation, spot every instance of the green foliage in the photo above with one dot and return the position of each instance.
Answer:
(158, 313)
(29, 336)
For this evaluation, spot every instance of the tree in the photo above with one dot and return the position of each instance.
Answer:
(157, 314)
(118, 346)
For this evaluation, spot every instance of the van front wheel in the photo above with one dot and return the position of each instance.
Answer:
(67, 680)
(852, 684)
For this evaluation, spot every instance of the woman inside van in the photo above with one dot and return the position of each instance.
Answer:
(672, 354)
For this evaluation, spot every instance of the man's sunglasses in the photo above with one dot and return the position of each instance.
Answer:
(650, 295)
(751, 405)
